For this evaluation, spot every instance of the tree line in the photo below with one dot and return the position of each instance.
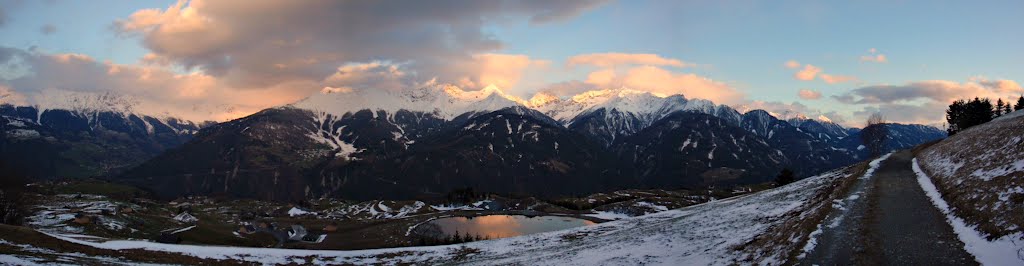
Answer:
(963, 114)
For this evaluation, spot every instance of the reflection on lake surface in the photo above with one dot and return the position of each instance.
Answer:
(500, 226)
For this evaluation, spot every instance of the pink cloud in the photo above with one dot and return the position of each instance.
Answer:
(809, 94)
(617, 59)
(807, 73)
(874, 56)
(664, 82)
(833, 79)
(792, 64)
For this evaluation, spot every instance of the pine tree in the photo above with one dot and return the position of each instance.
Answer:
(999, 108)
(1006, 108)
(965, 114)
(1020, 104)
(785, 176)
(956, 116)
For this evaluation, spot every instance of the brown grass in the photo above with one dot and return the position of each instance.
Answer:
(777, 240)
(973, 199)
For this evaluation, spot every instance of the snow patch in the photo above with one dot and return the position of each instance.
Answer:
(1002, 251)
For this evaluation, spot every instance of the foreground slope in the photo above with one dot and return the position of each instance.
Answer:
(767, 227)
(979, 176)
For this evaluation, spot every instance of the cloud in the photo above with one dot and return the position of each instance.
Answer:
(932, 90)
(664, 82)
(924, 101)
(48, 29)
(807, 73)
(833, 79)
(927, 114)
(372, 75)
(10, 96)
(792, 64)
(809, 94)
(874, 56)
(618, 59)
(157, 91)
(566, 88)
(810, 72)
(218, 60)
(502, 70)
(263, 43)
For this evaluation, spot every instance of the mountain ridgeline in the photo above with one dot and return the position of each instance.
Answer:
(72, 143)
(426, 142)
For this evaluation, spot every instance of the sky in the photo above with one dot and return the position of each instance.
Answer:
(219, 60)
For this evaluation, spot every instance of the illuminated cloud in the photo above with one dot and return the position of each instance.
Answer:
(619, 59)
(874, 56)
(502, 70)
(810, 72)
(792, 64)
(809, 94)
(924, 101)
(157, 91)
(807, 73)
(10, 96)
(236, 40)
(664, 82)
(833, 79)
(932, 90)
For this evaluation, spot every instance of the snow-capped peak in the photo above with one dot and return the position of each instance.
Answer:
(542, 99)
(824, 118)
(445, 101)
(622, 99)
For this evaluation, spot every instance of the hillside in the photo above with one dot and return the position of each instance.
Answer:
(767, 227)
(84, 141)
(979, 173)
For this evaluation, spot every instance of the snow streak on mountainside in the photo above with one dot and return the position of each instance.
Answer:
(73, 134)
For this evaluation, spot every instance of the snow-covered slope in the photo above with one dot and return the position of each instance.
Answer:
(980, 173)
(760, 228)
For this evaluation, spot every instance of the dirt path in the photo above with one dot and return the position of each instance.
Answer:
(888, 220)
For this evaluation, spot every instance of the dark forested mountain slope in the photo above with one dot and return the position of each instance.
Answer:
(60, 143)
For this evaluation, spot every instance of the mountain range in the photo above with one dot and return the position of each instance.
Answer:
(427, 141)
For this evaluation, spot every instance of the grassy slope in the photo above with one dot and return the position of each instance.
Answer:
(980, 172)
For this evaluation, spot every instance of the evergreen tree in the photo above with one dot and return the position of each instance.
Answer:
(999, 108)
(1007, 109)
(1020, 104)
(965, 114)
(785, 176)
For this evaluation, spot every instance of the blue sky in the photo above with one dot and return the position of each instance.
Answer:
(742, 44)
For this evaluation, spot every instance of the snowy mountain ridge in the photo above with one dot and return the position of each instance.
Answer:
(444, 101)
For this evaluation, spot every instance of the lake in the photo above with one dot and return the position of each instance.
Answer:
(500, 226)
